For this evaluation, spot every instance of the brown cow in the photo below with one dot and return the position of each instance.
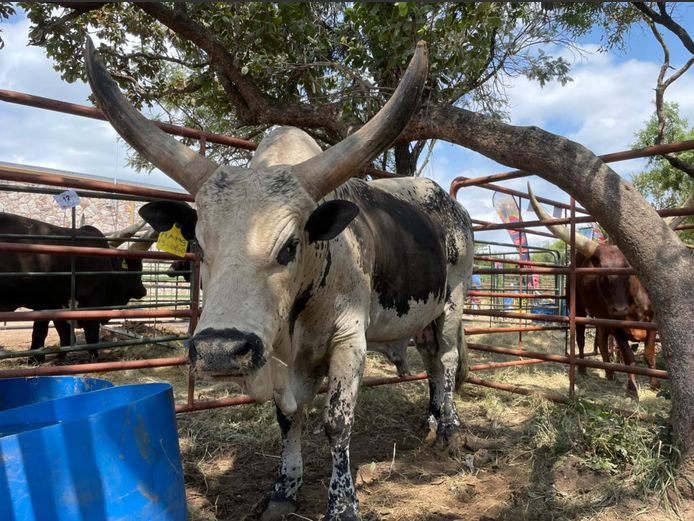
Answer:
(616, 297)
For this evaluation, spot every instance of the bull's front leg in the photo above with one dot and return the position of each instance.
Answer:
(346, 369)
(282, 498)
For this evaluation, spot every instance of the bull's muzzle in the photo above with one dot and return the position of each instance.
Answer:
(226, 352)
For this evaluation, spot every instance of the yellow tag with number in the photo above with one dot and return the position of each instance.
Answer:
(124, 264)
(171, 241)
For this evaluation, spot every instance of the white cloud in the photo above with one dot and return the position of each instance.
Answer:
(50, 139)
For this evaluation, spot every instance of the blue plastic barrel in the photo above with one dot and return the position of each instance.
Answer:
(110, 454)
(16, 392)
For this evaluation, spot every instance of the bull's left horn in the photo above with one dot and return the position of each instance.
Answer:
(180, 163)
(583, 244)
(329, 169)
(144, 245)
(120, 236)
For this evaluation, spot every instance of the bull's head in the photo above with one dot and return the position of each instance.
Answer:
(619, 293)
(256, 225)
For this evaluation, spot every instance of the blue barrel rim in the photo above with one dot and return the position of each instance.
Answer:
(155, 387)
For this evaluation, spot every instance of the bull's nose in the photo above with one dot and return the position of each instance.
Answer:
(227, 352)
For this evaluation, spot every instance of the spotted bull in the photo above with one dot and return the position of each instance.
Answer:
(304, 269)
(610, 296)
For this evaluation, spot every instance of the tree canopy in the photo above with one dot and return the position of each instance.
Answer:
(238, 68)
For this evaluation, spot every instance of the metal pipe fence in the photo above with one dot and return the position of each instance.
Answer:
(498, 278)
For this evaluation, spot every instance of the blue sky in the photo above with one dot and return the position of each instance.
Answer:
(608, 101)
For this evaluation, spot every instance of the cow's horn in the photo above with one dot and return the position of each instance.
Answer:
(583, 244)
(144, 245)
(674, 222)
(180, 163)
(329, 169)
(123, 235)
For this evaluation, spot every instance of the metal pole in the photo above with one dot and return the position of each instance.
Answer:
(572, 304)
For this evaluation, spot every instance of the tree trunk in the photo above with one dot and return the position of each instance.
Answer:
(663, 263)
(405, 160)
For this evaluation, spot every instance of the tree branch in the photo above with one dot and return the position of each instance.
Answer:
(78, 9)
(252, 105)
(663, 18)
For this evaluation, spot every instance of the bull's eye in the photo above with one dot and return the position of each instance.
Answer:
(288, 251)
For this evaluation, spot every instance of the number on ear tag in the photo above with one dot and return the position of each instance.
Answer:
(171, 241)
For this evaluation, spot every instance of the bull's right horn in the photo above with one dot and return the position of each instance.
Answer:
(323, 173)
(187, 168)
(583, 244)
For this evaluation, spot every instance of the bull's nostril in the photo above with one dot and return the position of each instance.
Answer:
(243, 350)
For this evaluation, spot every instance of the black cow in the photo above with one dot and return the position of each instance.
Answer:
(158, 215)
(53, 291)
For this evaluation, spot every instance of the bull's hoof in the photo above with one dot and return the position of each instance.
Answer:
(429, 425)
(351, 513)
(274, 510)
(36, 360)
(632, 392)
(449, 437)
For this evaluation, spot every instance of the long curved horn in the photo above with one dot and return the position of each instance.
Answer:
(144, 245)
(583, 244)
(329, 169)
(180, 163)
(674, 222)
(123, 235)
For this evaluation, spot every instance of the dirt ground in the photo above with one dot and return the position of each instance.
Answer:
(230, 455)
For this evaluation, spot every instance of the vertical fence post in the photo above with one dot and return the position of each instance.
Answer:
(73, 277)
(572, 303)
(194, 310)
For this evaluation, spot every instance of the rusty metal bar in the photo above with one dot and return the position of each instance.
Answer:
(85, 111)
(30, 316)
(489, 186)
(670, 212)
(559, 318)
(607, 158)
(558, 398)
(522, 271)
(475, 293)
(486, 330)
(562, 359)
(500, 365)
(45, 177)
(53, 249)
(512, 261)
(99, 367)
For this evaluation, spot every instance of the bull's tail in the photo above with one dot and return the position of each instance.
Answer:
(461, 373)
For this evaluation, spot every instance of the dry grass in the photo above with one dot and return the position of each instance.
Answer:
(525, 458)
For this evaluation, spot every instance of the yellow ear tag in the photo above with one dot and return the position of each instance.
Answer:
(124, 264)
(171, 241)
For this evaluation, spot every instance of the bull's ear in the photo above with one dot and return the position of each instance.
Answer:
(162, 215)
(329, 219)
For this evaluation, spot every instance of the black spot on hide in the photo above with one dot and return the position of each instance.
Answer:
(298, 306)
(408, 240)
(326, 270)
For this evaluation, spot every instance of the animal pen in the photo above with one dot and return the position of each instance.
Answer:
(175, 301)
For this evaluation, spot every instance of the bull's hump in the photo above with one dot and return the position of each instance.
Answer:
(409, 257)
